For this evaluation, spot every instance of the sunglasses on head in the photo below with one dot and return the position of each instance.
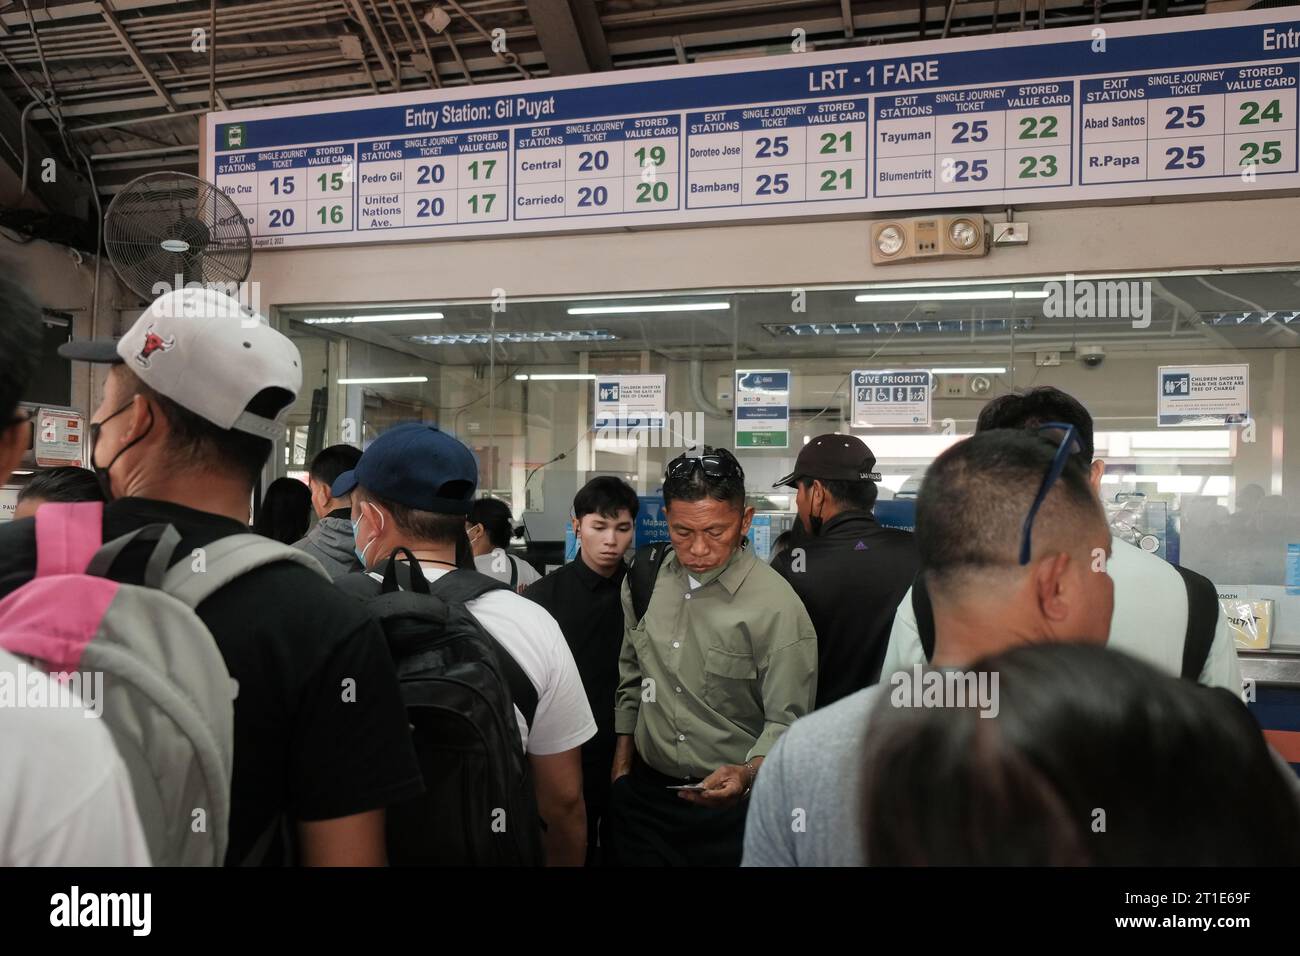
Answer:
(718, 465)
(1066, 439)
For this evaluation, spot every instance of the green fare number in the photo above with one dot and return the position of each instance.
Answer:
(1252, 115)
(1267, 154)
(832, 143)
(833, 181)
(1037, 167)
(486, 165)
(334, 213)
(483, 199)
(654, 156)
(1038, 127)
(330, 182)
(652, 192)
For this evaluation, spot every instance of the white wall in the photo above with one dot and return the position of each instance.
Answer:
(1104, 238)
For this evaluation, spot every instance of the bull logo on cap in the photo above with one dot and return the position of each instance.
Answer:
(153, 342)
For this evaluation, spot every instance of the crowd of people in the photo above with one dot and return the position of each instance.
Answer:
(1010, 684)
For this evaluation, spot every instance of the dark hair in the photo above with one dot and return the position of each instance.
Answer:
(65, 483)
(20, 345)
(858, 495)
(1080, 731)
(285, 512)
(975, 497)
(331, 462)
(605, 496)
(429, 526)
(697, 487)
(1034, 407)
(195, 441)
(494, 515)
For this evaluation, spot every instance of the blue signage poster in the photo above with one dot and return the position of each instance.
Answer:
(762, 409)
(760, 537)
(651, 525)
(897, 513)
(1175, 106)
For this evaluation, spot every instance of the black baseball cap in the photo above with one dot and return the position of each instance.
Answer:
(417, 465)
(833, 458)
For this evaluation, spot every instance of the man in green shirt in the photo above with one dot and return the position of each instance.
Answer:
(722, 661)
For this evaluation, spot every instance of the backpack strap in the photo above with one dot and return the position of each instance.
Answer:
(642, 573)
(229, 558)
(923, 611)
(67, 536)
(461, 587)
(514, 571)
(166, 537)
(1202, 621)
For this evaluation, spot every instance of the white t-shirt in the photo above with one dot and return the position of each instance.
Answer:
(1149, 622)
(496, 564)
(65, 797)
(531, 636)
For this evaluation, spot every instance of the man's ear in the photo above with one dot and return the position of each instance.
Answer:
(143, 417)
(1094, 475)
(1050, 580)
(745, 519)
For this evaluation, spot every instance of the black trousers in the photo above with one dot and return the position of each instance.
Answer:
(649, 825)
(595, 793)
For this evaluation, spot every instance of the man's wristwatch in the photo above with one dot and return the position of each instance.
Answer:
(753, 773)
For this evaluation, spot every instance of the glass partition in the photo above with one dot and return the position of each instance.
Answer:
(516, 380)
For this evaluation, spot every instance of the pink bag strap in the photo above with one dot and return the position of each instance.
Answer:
(67, 536)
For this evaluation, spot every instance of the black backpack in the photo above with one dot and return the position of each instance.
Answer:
(642, 572)
(1202, 619)
(460, 688)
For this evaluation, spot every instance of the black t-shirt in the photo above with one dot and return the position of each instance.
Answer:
(851, 578)
(290, 639)
(589, 610)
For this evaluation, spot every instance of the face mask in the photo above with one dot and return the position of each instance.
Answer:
(356, 534)
(814, 525)
(102, 474)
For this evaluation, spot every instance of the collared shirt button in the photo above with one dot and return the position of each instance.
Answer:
(681, 736)
(679, 690)
(688, 597)
(677, 643)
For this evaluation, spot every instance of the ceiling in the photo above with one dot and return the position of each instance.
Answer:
(113, 89)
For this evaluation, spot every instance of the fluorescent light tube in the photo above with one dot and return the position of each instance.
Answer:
(556, 377)
(662, 307)
(377, 317)
(392, 380)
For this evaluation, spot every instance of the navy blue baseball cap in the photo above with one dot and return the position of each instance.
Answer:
(416, 465)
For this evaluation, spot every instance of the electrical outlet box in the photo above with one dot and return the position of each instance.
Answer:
(1010, 233)
(951, 386)
(1047, 359)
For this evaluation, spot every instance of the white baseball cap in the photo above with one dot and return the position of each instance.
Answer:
(208, 353)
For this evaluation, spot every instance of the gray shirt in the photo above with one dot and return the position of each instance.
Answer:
(330, 543)
(805, 808)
